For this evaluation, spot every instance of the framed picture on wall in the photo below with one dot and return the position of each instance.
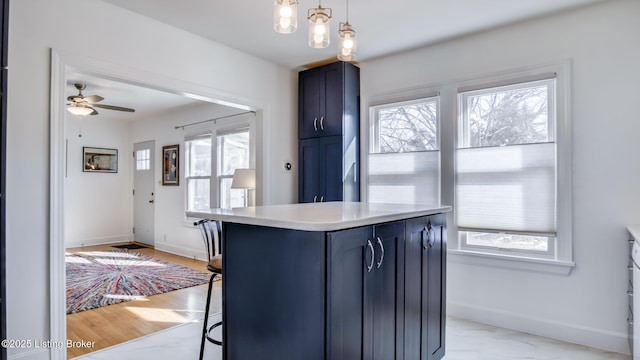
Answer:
(171, 165)
(99, 160)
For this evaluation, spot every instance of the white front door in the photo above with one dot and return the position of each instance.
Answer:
(143, 191)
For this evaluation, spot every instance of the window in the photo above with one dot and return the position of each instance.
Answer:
(404, 156)
(498, 149)
(143, 159)
(506, 166)
(233, 153)
(198, 172)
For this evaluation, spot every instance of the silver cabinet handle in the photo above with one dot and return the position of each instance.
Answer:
(630, 268)
(322, 123)
(373, 254)
(315, 124)
(432, 239)
(315, 198)
(630, 321)
(381, 254)
(424, 232)
(322, 198)
(431, 236)
(631, 241)
(630, 293)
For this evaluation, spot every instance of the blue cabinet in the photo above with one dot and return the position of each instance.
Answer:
(321, 171)
(365, 292)
(328, 133)
(374, 292)
(425, 291)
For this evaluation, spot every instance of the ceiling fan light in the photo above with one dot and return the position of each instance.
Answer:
(319, 27)
(348, 45)
(285, 16)
(79, 110)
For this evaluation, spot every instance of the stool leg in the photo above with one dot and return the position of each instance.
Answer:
(206, 316)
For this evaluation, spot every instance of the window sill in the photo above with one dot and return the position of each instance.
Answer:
(556, 267)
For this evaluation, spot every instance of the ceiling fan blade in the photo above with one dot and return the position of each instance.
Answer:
(111, 107)
(93, 98)
(94, 112)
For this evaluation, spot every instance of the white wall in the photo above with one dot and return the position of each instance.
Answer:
(94, 29)
(588, 306)
(97, 206)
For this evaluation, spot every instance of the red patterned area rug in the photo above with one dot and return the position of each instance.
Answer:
(101, 278)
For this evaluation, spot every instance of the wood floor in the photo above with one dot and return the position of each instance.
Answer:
(115, 324)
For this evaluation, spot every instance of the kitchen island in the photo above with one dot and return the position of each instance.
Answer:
(333, 281)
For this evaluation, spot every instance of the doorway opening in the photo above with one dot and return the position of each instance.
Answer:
(74, 191)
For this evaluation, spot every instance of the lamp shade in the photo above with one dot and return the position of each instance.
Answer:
(319, 27)
(348, 46)
(244, 179)
(79, 110)
(285, 16)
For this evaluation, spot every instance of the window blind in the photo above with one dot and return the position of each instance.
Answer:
(404, 178)
(509, 188)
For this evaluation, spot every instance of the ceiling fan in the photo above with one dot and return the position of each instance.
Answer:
(85, 105)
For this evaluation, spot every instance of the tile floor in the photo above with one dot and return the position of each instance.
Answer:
(465, 341)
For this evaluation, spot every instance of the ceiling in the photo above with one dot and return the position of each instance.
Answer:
(382, 27)
(145, 101)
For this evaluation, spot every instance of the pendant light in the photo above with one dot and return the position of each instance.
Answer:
(319, 26)
(347, 46)
(285, 16)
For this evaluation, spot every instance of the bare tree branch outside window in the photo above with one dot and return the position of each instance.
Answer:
(517, 116)
(406, 128)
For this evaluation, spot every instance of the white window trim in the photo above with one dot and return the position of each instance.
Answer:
(562, 263)
(213, 129)
(448, 91)
(188, 221)
(368, 124)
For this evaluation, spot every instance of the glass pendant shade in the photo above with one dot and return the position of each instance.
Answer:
(319, 27)
(348, 46)
(285, 16)
(79, 110)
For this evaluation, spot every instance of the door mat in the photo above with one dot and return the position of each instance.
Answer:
(130, 246)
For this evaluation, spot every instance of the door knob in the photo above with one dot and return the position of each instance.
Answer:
(150, 201)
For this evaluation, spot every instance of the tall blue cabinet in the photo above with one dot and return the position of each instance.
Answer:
(328, 133)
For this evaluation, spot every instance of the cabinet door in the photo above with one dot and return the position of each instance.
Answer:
(425, 262)
(414, 231)
(383, 289)
(309, 153)
(309, 103)
(331, 185)
(346, 291)
(320, 177)
(434, 289)
(331, 99)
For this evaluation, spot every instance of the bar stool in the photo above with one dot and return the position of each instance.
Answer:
(210, 229)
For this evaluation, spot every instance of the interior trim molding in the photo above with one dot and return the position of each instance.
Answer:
(61, 61)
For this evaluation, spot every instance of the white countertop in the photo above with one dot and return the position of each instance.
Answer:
(326, 216)
(634, 230)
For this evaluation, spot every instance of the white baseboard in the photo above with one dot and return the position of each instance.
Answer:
(582, 335)
(199, 254)
(32, 354)
(98, 241)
